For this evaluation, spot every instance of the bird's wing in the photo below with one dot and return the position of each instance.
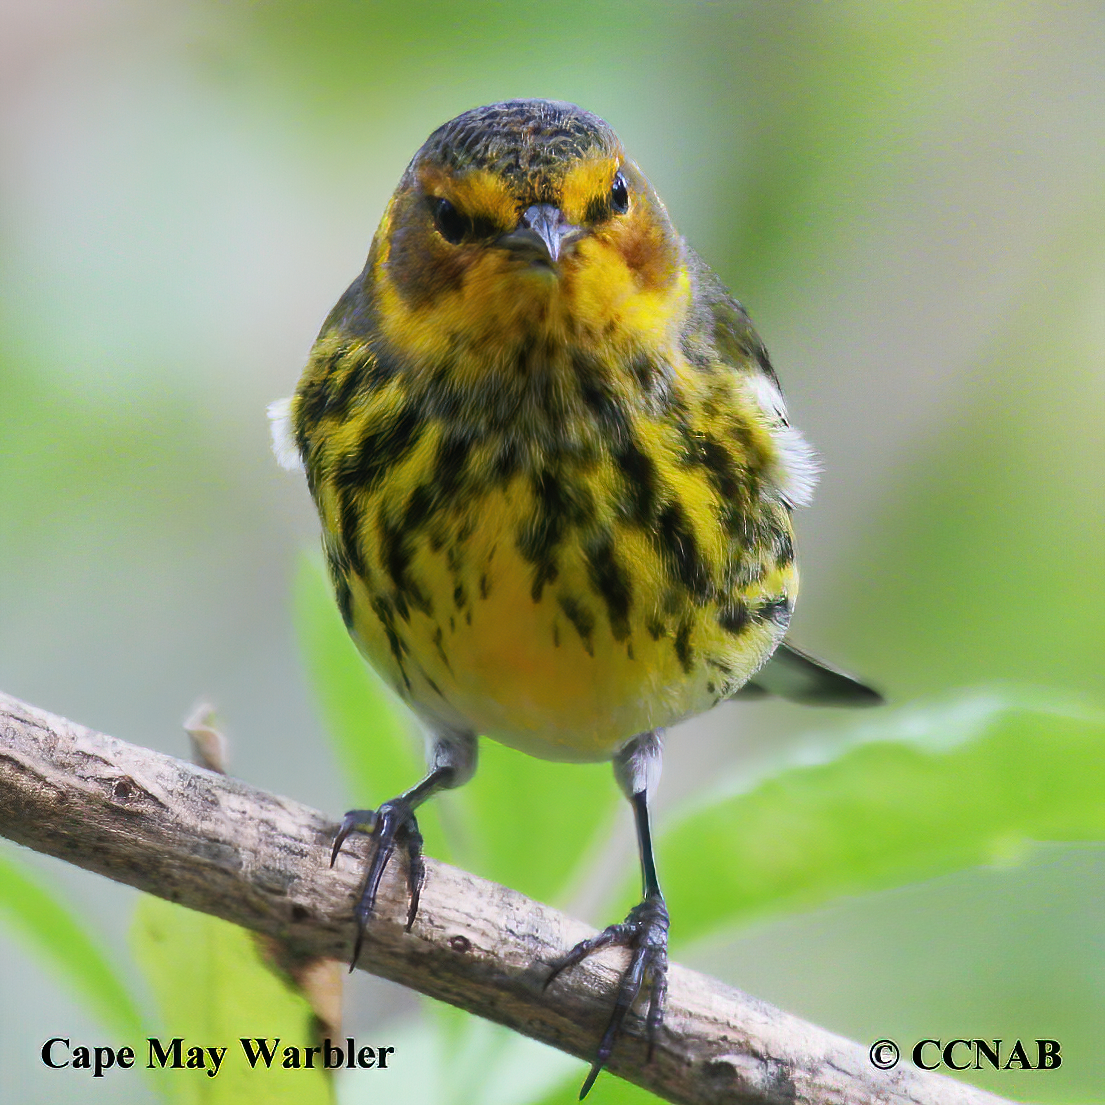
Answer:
(795, 675)
(720, 321)
(719, 327)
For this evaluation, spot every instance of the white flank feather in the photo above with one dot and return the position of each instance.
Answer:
(795, 470)
(283, 440)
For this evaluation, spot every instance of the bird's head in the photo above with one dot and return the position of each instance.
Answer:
(521, 222)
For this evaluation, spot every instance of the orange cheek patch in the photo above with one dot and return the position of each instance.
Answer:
(646, 250)
(609, 298)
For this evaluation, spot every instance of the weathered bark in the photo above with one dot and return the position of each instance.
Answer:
(220, 846)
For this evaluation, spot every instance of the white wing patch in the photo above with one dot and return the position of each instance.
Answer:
(283, 439)
(795, 470)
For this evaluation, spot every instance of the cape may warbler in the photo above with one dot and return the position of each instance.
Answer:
(555, 477)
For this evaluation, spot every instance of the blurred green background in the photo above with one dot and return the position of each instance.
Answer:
(909, 199)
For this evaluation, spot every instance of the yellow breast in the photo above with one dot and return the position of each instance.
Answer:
(563, 603)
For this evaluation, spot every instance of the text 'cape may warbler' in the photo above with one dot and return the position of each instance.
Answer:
(555, 477)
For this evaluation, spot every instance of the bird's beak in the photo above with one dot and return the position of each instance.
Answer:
(543, 232)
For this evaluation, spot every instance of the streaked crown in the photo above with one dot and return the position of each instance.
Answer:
(520, 140)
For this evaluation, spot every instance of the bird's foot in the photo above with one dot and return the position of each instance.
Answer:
(392, 823)
(645, 932)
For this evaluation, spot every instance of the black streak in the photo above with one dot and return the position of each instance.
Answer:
(539, 538)
(680, 551)
(640, 483)
(599, 399)
(683, 645)
(610, 580)
(345, 601)
(733, 618)
(382, 609)
(784, 549)
(452, 456)
(395, 551)
(379, 451)
(349, 522)
(581, 618)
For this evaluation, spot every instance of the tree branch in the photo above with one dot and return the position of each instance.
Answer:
(217, 845)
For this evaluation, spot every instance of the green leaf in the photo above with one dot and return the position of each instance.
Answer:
(214, 988)
(828, 90)
(910, 795)
(984, 561)
(372, 733)
(471, 1060)
(50, 929)
(535, 823)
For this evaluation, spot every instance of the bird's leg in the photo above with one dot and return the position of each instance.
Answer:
(452, 762)
(645, 929)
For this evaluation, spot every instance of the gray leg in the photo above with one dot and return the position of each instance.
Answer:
(645, 929)
(451, 759)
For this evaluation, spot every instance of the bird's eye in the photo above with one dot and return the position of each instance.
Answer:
(619, 194)
(450, 223)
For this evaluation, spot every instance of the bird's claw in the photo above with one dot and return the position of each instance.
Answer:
(645, 932)
(392, 822)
